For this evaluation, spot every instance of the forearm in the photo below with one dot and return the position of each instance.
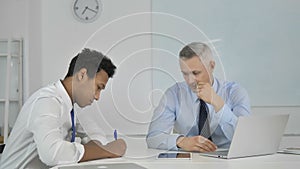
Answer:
(218, 103)
(94, 150)
(162, 141)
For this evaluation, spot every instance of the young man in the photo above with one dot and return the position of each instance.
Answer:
(203, 110)
(40, 137)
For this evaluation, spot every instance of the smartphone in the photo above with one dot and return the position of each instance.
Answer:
(174, 156)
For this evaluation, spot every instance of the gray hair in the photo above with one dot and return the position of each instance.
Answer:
(197, 49)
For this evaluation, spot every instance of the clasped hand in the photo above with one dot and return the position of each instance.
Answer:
(196, 143)
(205, 92)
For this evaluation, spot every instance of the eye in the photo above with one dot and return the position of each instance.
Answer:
(196, 73)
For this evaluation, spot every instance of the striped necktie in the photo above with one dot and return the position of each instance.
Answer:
(203, 124)
(73, 126)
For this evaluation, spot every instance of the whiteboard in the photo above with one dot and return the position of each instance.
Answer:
(256, 44)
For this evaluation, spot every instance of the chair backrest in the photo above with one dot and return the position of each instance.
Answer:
(2, 148)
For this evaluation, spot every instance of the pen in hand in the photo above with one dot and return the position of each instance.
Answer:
(115, 135)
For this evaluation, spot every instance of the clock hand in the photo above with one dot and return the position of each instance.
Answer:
(91, 9)
(84, 10)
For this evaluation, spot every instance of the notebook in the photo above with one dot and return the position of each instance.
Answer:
(106, 166)
(254, 135)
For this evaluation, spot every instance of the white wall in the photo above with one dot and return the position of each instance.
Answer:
(33, 57)
(13, 18)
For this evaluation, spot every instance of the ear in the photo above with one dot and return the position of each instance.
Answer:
(81, 74)
(212, 64)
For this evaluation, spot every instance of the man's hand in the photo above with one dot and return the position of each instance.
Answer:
(117, 147)
(196, 143)
(208, 95)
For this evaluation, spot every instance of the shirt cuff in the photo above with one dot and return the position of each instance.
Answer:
(172, 140)
(80, 151)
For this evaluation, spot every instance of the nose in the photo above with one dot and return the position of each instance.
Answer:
(97, 96)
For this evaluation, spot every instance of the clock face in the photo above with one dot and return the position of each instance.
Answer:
(87, 10)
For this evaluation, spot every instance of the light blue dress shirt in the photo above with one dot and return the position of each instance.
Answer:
(178, 111)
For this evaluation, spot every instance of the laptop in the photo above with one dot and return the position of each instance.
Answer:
(254, 135)
(106, 166)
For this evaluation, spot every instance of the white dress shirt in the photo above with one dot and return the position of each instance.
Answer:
(41, 132)
(179, 110)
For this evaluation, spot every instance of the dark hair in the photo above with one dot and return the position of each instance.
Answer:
(93, 61)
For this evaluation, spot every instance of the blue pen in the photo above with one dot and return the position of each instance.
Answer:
(115, 135)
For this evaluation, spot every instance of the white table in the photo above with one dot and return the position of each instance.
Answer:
(138, 152)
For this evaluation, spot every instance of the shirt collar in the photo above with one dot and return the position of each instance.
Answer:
(64, 94)
(194, 96)
(215, 84)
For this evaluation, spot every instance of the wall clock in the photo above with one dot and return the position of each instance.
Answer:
(87, 10)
